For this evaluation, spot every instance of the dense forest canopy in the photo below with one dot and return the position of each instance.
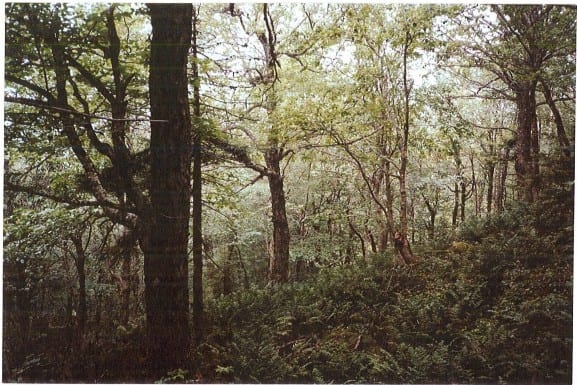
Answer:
(288, 192)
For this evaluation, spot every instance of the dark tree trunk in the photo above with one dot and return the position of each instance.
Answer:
(404, 252)
(524, 147)
(463, 199)
(500, 193)
(165, 251)
(432, 208)
(474, 190)
(279, 258)
(372, 241)
(455, 205)
(359, 236)
(535, 150)
(490, 177)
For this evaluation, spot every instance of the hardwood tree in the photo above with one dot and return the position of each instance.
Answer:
(530, 39)
(166, 223)
(155, 207)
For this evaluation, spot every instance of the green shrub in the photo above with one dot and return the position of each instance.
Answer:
(499, 312)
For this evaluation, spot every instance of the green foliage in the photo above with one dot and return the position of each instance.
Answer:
(489, 314)
(491, 302)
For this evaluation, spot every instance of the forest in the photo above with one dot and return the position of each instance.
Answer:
(288, 193)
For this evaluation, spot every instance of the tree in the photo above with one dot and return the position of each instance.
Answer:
(63, 83)
(263, 99)
(518, 45)
(166, 246)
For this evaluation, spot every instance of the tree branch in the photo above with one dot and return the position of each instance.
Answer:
(37, 191)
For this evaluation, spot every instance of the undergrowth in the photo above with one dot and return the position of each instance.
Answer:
(495, 308)
(498, 312)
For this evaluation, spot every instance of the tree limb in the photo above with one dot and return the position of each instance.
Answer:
(72, 202)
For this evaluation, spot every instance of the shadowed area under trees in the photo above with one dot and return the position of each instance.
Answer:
(302, 193)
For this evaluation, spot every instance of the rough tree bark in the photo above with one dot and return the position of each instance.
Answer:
(524, 146)
(274, 154)
(279, 258)
(165, 252)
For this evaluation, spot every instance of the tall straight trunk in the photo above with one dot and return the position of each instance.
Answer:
(490, 185)
(197, 261)
(165, 252)
(535, 150)
(474, 189)
(524, 147)
(279, 258)
(463, 200)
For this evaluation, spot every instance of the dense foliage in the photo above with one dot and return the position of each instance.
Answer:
(288, 193)
(497, 309)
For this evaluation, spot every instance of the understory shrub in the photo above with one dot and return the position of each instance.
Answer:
(501, 312)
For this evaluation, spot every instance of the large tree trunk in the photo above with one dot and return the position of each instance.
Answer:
(524, 146)
(165, 252)
(279, 258)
